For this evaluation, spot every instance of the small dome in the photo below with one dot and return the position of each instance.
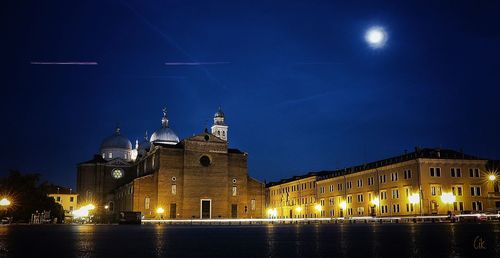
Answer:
(164, 135)
(145, 145)
(116, 141)
(219, 113)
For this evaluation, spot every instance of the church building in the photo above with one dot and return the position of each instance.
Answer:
(163, 177)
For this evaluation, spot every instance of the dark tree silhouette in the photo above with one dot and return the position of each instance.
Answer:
(28, 196)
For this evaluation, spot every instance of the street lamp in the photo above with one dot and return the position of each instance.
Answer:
(318, 208)
(343, 207)
(160, 212)
(375, 202)
(492, 177)
(448, 198)
(5, 202)
(298, 209)
(414, 199)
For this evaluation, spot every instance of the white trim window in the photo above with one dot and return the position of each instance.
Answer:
(477, 206)
(435, 171)
(456, 172)
(435, 190)
(174, 189)
(395, 193)
(235, 191)
(475, 190)
(457, 190)
(407, 174)
(383, 195)
(474, 172)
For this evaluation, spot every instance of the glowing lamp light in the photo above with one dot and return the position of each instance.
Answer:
(376, 37)
(415, 198)
(106, 207)
(272, 212)
(83, 211)
(343, 205)
(298, 209)
(492, 177)
(375, 202)
(160, 210)
(4, 202)
(448, 198)
(318, 207)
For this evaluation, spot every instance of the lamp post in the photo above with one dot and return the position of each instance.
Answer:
(375, 203)
(4, 204)
(298, 210)
(493, 179)
(448, 198)
(343, 207)
(414, 199)
(318, 208)
(160, 212)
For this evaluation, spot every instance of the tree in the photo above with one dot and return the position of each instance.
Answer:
(28, 196)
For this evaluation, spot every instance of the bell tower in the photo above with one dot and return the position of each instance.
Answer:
(219, 128)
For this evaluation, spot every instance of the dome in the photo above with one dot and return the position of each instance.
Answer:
(116, 141)
(219, 113)
(164, 135)
(145, 145)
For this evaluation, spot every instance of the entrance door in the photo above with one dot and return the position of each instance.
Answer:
(234, 211)
(173, 210)
(205, 209)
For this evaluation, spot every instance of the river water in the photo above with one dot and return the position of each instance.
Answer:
(305, 240)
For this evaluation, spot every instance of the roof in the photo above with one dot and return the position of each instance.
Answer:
(426, 153)
(310, 174)
(56, 189)
(96, 159)
(229, 150)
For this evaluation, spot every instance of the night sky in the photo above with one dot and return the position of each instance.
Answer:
(301, 88)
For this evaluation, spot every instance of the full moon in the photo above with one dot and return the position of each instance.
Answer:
(376, 37)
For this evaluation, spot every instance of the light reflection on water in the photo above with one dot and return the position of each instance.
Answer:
(84, 244)
(271, 240)
(160, 240)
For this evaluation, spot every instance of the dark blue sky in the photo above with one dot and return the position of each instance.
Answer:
(301, 89)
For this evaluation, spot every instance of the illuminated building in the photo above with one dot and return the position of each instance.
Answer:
(65, 197)
(424, 182)
(165, 177)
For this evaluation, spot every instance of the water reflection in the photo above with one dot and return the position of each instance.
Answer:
(160, 241)
(270, 240)
(84, 241)
(4, 247)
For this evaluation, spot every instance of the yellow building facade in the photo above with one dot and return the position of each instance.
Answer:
(424, 182)
(67, 200)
